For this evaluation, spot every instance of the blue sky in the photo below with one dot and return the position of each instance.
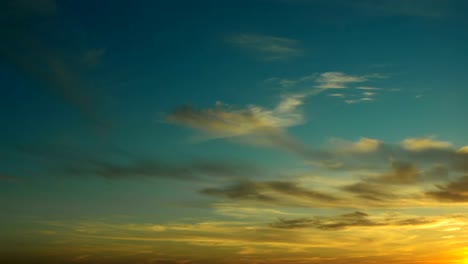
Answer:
(164, 125)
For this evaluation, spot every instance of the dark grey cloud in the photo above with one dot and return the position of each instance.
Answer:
(114, 163)
(401, 173)
(355, 219)
(268, 191)
(455, 191)
(135, 169)
(379, 188)
(408, 167)
(369, 191)
(437, 172)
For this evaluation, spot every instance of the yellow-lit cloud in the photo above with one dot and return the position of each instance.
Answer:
(463, 150)
(420, 144)
(223, 121)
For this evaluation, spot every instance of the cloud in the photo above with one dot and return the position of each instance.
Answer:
(380, 187)
(316, 83)
(420, 144)
(221, 122)
(368, 94)
(269, 48)
(463, 150)
(57, 70)
(337, 95)
(336, 80)
(456, 191)
(278, 192)
(262, 126)
(355, 219)
(371, 191)
(363, 145)
(373, 154)
(253, 125)
(138, 169)
(115, 164)
(401, 173)
(367, 88)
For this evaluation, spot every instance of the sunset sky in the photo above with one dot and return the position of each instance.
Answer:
(234, 131)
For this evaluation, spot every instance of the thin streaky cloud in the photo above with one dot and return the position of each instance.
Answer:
(368, 88)
(420, 144)
(337, 80)
(59, 73)
(355, 219)
(266, 47)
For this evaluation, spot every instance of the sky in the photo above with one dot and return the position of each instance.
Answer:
(234, 131)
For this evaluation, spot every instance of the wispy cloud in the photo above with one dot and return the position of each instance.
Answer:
(360, 100)
(276, 192)
(368, 88)
(337, 80)
(355, 219)
(58, 71)
(298, 240)
(147, 169)
(320, 82)
(269, 48)
(252, 124)
(337, 95)
(117, 164)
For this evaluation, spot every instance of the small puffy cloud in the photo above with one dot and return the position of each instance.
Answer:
(421, 144)
(336, 80)
(363, 145)
(268, 47)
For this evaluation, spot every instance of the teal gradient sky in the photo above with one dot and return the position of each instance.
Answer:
(130, 126)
